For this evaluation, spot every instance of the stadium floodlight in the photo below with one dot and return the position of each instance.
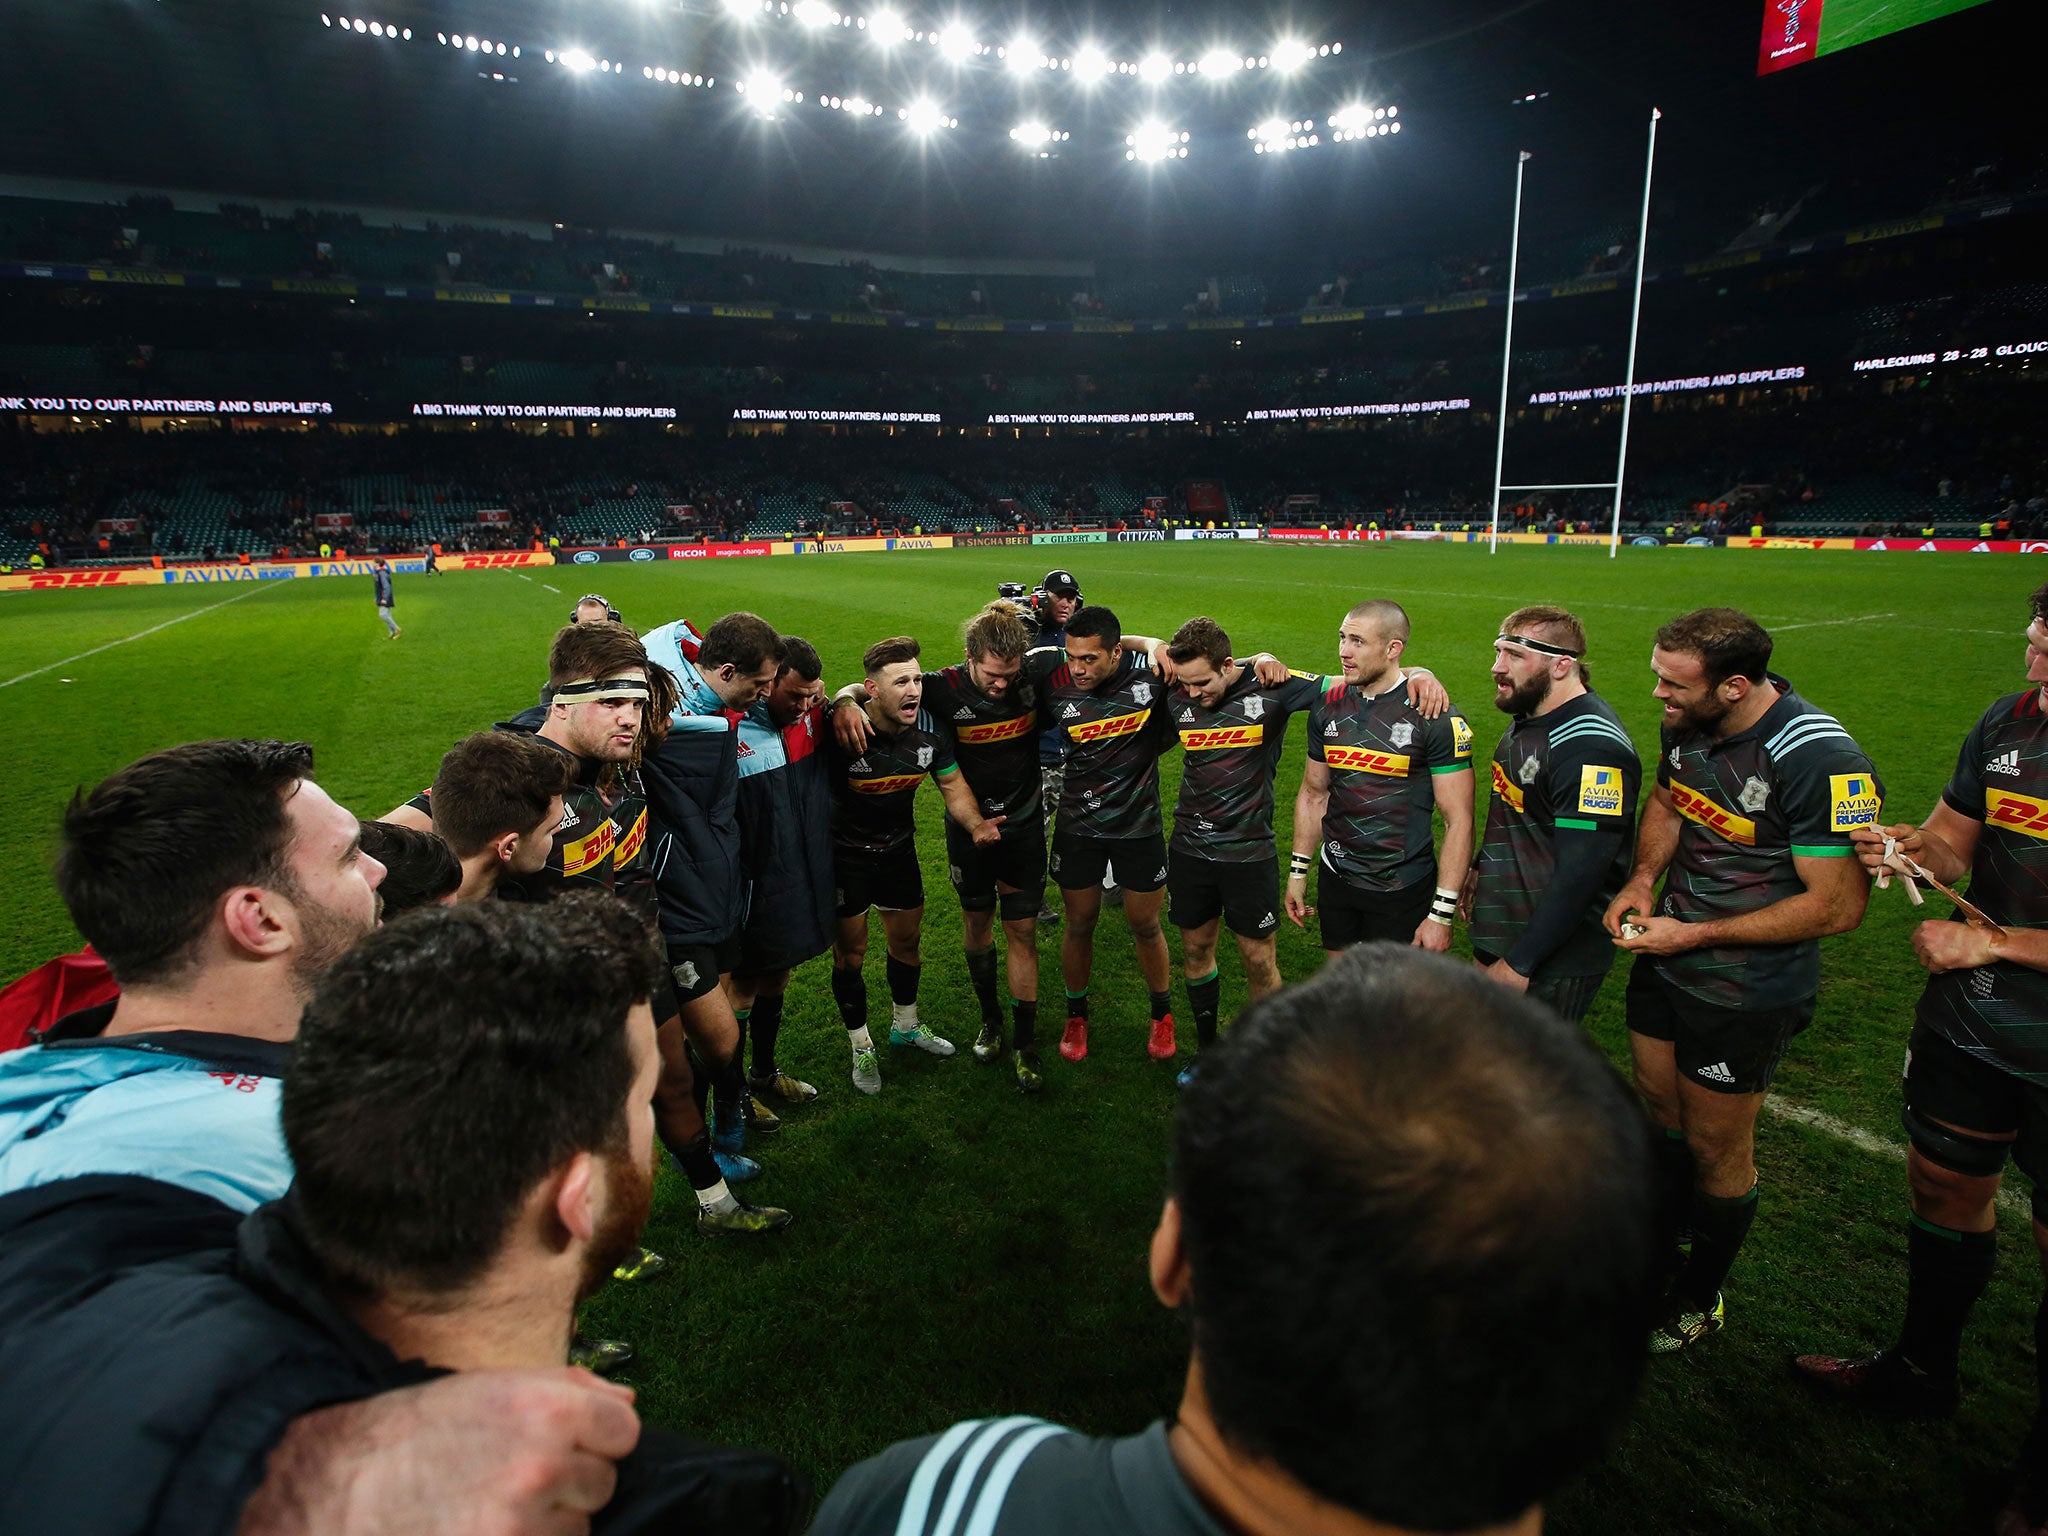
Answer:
(742, 10)
(1154, 67)
(886, 28)
(813, 13)
(925, 118)
(1090, 64)
(764, 93)
(957, 43)
(1031, 135)
(1349, 122)
(1220, 62)
(1153, 140)
(1022, 56)
(1290, 54)
(578, 61)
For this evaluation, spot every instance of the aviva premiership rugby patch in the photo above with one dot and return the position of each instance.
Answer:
(1854, 798)
(1600, 790)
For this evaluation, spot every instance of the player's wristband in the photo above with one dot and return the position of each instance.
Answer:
(1298, 865)
(1443, 906)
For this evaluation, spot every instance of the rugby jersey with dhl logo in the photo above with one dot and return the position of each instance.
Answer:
(1378, 829)
(1794, 785)
(874, 790)
(1114, 735)
(1572, 770)
(1225, 810)
(1999, 1013)
(996, 741)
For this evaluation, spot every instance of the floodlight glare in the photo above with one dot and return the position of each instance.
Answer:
(924, 118)
(581, 62)
(1351, 119)
(1023, 56)
(812, 13)
(1152, 140)
(743, 10)
(956, 43)
(1290, 54)
(1031, 134)
(1090, 64)
(1220, 62)
(887, 28)
(1154, 67)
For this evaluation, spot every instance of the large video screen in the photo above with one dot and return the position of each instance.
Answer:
(1796, 31)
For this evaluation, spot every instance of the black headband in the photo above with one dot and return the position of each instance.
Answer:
(1538, 645)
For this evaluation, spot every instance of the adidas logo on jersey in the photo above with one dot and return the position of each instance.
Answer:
(1330, 729)
(1070, 713)
(1717, 1073)
(1187, 717)
(2005, 762)
(569, 819)
(963, 713)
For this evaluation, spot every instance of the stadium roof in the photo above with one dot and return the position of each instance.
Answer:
(280, 99)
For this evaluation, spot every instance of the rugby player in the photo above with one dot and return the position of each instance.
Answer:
(1976, 1085)
(1565, 783)
(1063, 600)
(1376, 767)
(785, 815)
(380, 577)
(1492, 1306)
(1758, 793)
(874, 848)
(497, 803)
(1220, 862)
(991, 708)
(419, 869)
(693, 791)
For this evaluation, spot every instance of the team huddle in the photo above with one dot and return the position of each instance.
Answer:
(706, 783)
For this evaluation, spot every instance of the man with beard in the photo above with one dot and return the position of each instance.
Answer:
(1758, 793)
(219, 882)
(1376, 770)
(785, 817)
(518, 1042)
(874, 849)
(1565, 779)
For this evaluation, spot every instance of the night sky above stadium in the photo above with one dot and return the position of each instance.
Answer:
(263, 99)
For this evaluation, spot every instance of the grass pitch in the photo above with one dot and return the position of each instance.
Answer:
(1845, 23)
(959, 1250)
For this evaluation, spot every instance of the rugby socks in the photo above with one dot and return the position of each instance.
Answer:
(1946, 1271)
(1162, 1005)
(850, 992)
(981, 971)
(764, 1023)
(1205, 996)
(1675, 1175)
(701, 1169)
(902, 993)
(1718, 1228)
(1077, 1003)
(1024, 1022)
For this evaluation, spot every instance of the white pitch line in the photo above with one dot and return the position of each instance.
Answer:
(140, 634)
(556, 590)
(522, 576)
(1868, 618)
(2010, 1200)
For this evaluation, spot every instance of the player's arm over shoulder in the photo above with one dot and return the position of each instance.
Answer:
(868, 1498)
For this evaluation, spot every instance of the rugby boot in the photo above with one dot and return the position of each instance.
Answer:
(988, 1045)
(729, 1126)
(1074, 1040)
(742, 1218)
(761, 1118)
(1682, 1329)
(1885, 1383)
(791, 1090)
(867, 1071)
(1186, 1077)
(922, 1038)
(1029, 1079)
(641, 1264)
(600, 1355)
(1161, 1046)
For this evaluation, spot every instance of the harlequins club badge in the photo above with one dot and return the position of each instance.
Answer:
(1754, 793)
(1401, 734)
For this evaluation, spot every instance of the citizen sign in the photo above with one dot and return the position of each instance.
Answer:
(1139, 536)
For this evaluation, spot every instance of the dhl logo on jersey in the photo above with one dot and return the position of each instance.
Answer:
(994, 730)
(2016, 813)
(1115, 725)
(1505, 788)
(589, 851)
(1600, 790)
(1712, 815)
(890, 785)
(630, 843)
(1222, 737)
(1391, 765)
(1854, 798)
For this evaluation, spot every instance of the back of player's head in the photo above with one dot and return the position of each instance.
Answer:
(887, 653)
(2038, 604)
(149, 854)
(1728, 642)
(493, 783)
(1386, 617)
(419, 869)
(999, 631)
(799, 656)
(1553, 626)
(1096, 622)
(446, 1067)
(1416, 1212)
(1202, 637)
(743, 641)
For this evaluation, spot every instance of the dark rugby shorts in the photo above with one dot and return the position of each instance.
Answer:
(694, 969)
(1350, 915)
(1724, 1050)
(978, 873)
(1247, 896)
(1079, 862)
(1955, 1087)
(892, 881)
(1569, 997)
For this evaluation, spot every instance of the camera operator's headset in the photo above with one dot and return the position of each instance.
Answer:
(599, 598)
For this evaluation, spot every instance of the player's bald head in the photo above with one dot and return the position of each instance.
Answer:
(1388, 620)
